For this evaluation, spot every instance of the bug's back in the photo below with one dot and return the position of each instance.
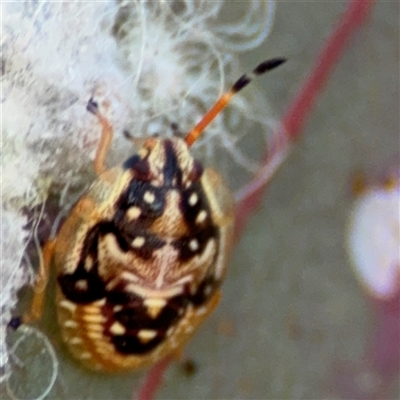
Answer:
(141, 257)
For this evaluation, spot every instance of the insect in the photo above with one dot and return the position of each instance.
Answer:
(142, 255)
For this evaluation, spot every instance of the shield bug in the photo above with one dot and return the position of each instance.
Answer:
(142, 255)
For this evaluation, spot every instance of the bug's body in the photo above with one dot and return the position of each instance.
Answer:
(141, 257)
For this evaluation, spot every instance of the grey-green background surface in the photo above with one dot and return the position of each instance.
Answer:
(290, 296)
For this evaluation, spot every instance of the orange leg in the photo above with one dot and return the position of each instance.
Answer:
(36, 309)
(105, 139)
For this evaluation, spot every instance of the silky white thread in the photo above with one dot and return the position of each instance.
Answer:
(139, 80)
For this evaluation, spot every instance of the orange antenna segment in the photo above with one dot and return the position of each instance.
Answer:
(223, 101)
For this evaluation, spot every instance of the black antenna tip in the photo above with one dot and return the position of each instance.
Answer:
(268, 65)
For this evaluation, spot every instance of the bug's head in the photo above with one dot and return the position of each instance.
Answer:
(165, 162)
(168, 162)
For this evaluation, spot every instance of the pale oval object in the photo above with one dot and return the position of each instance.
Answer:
(374, 241)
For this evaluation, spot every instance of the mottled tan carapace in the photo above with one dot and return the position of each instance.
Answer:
(142, 255)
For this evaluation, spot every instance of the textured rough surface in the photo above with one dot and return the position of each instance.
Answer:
(162, 239)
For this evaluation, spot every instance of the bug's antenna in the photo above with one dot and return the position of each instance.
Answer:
(223, 101)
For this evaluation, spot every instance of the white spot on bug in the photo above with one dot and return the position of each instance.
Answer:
(96, 328)
(193, 199)
(94, 318)
(181, 311)
(88, 263)
(75, 340)
(138, 242)
(149, 197)
(189, 328)
(201, 217)
(117, 329)
(99, 303)
(95, 335)
(117, 308)
(145, 335)
(170, 331)
(85, 355)
(155, 302)
(129, 276)
(70, 324)
(194, 245)
(133, 213)
(154, 306)
(145, 292)
(207, 290)
(201, 311)
(81, 284)
(91, 309)
(102, 350)
(68, 305)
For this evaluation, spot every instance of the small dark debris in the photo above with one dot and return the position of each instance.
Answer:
(15, 323)
(92, 106)
(127, 134)
(176, 131)
(189, 367)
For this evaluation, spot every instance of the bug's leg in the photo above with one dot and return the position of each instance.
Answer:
(36, 309)
(105, 139)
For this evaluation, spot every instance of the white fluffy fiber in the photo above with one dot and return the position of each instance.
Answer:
(148, 64)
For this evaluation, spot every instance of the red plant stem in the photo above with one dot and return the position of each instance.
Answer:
(383, 353)
(292, 124)
(302, 105)
(153, 380)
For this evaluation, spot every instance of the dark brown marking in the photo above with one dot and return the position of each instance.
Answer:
(120, 296)
(131, 344)
(134, 316)
(203, 232)
(205, 291)
(95, 288)
(202, 237)
(94, 291)
(131, 162)
(142, 170)
(152, 242)
(134, 195)
(137, 318)
(172, 172)
(189, 211)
